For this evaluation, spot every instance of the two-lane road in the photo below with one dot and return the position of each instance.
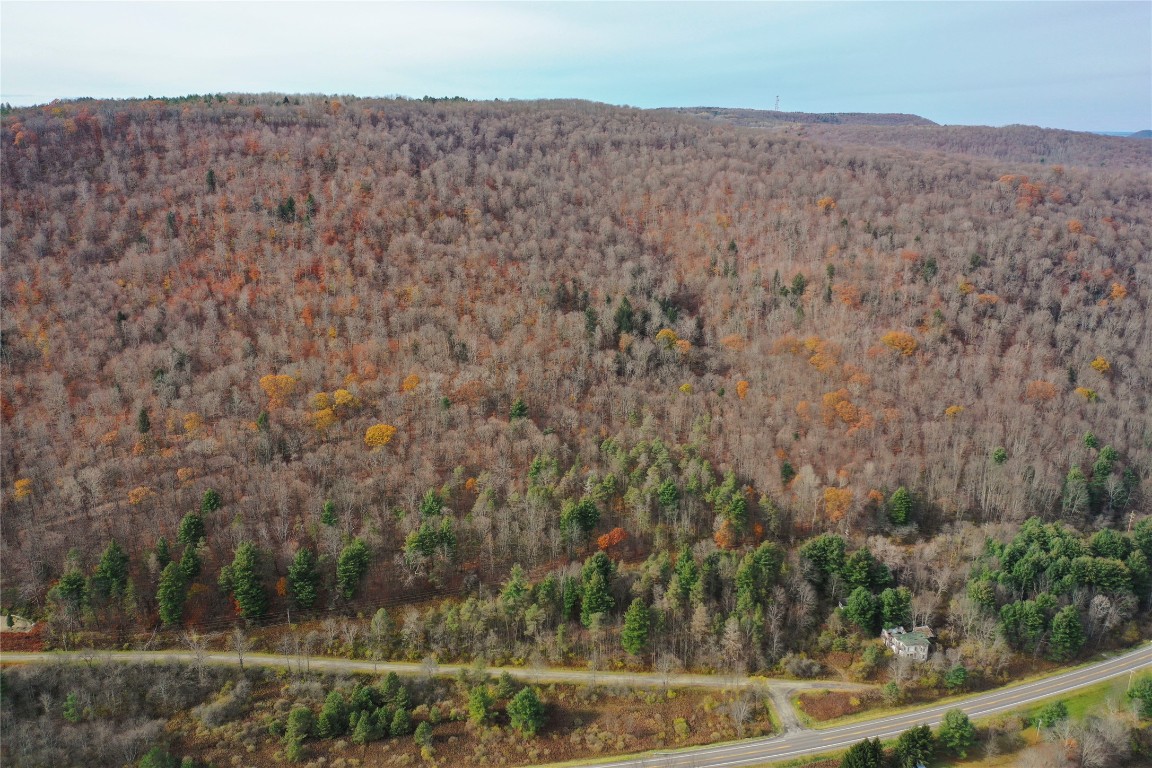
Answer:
(800, 743)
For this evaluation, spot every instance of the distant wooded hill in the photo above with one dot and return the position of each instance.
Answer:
(1013, 143)
(759, 118)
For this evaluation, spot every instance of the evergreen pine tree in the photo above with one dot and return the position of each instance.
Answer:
(210, 502)
(863, 754)
(190, 562)
(170, 595)
(687, 572)
(900, 507)
(242, 580)
(957, 732)
(914, 746)
(1067, 636)
(479, 704)
(597, 598)
(333, 719)
(526, 712)
(896, 608)
(401, 723)
(328, 514)
(111, 577)
(362, 731)
(303, 579)
(72, 711)
(634, 636)
(862, 609)
(191, 530)
(351, 567)
(163, 552)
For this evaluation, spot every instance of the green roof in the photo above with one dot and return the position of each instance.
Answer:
(914, 638)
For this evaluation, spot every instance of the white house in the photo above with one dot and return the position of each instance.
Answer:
(914, 644)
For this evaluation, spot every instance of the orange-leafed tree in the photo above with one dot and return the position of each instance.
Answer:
(613, 538)
(1039, 391)
(904, 343)
(741, 389)
(724, 535)
(849, 295)
(836, 406)
(140, 494)
(734, 342)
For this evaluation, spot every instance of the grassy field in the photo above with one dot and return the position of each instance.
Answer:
(1092, 700)
(882, 711)
(1095, 699)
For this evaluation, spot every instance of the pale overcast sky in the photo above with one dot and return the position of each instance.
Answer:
(1075, 65)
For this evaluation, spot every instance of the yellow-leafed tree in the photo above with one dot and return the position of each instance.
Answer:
(379, 435)
(279, 387)
(837, 501)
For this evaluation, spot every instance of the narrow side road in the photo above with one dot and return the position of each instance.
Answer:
(537, 675)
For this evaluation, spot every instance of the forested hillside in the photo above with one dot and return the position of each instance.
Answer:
(416, 341)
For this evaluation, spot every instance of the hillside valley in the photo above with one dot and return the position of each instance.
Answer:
(560, 382)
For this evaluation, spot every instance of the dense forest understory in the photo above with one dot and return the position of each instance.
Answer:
(620, 385)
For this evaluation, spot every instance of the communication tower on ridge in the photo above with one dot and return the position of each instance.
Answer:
(777, 104)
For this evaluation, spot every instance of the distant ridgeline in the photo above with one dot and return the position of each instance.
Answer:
(760, 118)
(1010, 143)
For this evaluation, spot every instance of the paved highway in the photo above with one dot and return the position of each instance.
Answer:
(795, 743)
(800, 743)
